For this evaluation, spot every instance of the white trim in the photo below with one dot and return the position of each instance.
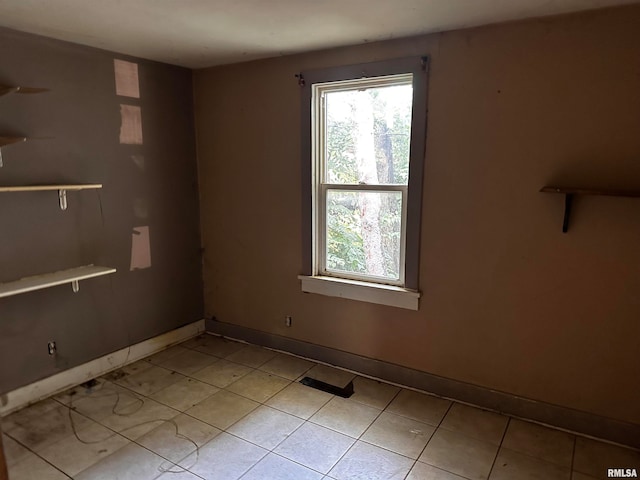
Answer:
(364, 83)
(62, 381)
(352, 187)
(364, 291)
(320, 187)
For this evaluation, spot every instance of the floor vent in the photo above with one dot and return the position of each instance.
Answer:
(344, 392)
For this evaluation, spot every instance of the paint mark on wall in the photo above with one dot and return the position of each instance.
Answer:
(126, 73)
(140, 248)
(130, 125)
(138, 160)
(140, 207)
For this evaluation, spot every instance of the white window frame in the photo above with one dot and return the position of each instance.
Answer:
(316, 278)
(320, 186)
(321, 232)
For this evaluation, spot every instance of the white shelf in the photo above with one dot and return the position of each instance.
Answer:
(47, 280)
(62, 190)
(42, 188)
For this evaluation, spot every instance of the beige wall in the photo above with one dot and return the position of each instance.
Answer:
(509, 302)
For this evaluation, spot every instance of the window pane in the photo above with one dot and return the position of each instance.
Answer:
(368, 135)
(363, 232)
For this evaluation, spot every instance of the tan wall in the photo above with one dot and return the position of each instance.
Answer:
(509, 302)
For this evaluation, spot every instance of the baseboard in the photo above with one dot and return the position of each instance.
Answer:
(561, 417)
(60, 382)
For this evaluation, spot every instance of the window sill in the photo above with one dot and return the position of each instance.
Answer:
(363, 291)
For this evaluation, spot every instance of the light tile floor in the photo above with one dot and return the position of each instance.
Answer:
(215, 409)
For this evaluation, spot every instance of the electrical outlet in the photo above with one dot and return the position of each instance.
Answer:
(52, 348)
(287, 321)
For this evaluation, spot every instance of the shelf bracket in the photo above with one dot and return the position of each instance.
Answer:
(1, 164)
(75, 286)
(568, 200)
(62, 196)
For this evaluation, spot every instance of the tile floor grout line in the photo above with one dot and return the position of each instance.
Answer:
(33, 452)
(377, 417)
(243, 365)
(431, 437)
(426, 392)
(115, 434)
(188, 471)
(538, 459)
(226, 430)
(72, 434)
(358, 439)
(69, 407)
(288, 413)
(229, 433)
(132, 441)
(410, 470)
(495, 459)
(308, 420)
(387, 449)
(304, 421)
(341, 457)
(119, 433)
(174, 464)
(254, 444)
(145, 397)
(163, 422)
(287, 459)
(573, 456)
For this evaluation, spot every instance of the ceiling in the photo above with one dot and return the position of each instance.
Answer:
(203, 33)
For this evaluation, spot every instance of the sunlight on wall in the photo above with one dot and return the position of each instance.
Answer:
(127, 85)
(138, 160)
(140, 208)
(131, 125)
(126, 73)
(140, 248)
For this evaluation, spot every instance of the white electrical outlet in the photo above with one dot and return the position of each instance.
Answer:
(287, 321)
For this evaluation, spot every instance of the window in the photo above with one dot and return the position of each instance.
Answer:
(363, 149)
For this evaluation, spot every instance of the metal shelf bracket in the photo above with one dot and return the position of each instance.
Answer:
(62, 196)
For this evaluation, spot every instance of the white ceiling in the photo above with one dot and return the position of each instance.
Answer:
(202, 33)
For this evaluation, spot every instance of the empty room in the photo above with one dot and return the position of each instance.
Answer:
(332, 240)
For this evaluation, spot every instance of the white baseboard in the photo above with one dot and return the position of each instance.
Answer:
(23, 396)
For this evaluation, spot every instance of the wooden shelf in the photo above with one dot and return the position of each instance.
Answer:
(585, 191)
(62, 190)
(4, 141)
(39, 282)
(569, 192)
(5, 90)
